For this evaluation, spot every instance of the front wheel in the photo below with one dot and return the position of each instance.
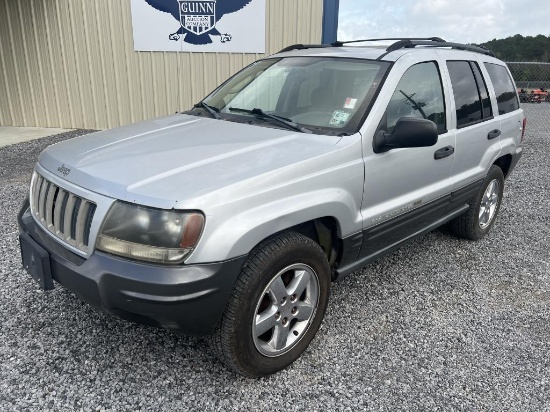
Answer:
(481, 216)
(276, 306)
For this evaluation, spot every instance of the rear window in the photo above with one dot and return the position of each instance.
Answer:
(505, 91)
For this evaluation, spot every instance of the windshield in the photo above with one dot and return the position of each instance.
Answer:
(324, 95)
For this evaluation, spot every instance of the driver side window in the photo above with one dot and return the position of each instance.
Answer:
(418, 94)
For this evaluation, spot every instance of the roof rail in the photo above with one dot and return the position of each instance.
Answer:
(400, 43)
(304, 46)
(411, 43)
(341, 43)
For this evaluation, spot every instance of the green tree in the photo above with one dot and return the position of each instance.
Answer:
(519, 48)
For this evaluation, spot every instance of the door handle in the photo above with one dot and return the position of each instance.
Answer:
(444, 152)
(493, 133)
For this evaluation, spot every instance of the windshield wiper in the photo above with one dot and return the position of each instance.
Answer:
(259, 112)
(416, 105)
(212, 110)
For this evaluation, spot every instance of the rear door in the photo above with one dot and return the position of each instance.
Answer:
(473, 122)
(509, 113)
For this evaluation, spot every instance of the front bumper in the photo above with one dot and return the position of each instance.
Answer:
(187, 298)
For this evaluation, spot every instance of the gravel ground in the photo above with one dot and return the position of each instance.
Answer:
(442, 323)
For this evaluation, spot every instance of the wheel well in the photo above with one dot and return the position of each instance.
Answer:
(323, 231)
(504, 163)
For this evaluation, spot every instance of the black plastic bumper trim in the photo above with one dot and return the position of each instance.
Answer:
(188, 298)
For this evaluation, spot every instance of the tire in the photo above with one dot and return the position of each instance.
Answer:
(263, 310)
(484, 208)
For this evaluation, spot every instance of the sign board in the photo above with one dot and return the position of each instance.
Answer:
(234, 26)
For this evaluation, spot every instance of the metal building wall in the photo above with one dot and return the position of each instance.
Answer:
(67, 63)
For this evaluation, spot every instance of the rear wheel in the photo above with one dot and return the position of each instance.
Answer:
(276, 307)
(484, 208)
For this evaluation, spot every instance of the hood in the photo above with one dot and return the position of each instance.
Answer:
(164, 161)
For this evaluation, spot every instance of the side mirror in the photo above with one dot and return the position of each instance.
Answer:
(408, 132)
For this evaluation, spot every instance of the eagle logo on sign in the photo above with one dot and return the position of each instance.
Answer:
(198, 18)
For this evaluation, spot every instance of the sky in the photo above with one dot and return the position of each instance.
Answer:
(462, 21)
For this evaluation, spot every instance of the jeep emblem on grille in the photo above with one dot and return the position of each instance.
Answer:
(64, 170)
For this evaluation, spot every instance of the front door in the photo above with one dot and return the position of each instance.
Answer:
(408, 189)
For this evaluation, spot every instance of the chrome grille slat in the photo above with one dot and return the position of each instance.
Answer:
(81, 217)
(68, 218)
(43, 199)
(50, 195)
(36, 191)
(57, 213)
(41, 195)
(74, 215)
(34, 185)
(62, 213)
(89, 218)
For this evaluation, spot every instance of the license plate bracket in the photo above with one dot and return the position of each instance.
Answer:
(36, 261)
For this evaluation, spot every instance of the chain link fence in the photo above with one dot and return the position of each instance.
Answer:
(533, 83)
(530, 75)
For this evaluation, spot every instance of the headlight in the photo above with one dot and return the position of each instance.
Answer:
(153, 235)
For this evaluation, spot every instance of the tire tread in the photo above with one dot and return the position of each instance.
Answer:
(464, 226)
(220, 340)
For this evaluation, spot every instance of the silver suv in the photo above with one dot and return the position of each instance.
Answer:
(232, 219)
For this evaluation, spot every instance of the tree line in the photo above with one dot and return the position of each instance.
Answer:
(521, 49)
(525, 49)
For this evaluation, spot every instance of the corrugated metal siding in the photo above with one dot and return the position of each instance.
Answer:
(72, 64)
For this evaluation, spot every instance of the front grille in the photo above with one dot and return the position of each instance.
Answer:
(62, 213)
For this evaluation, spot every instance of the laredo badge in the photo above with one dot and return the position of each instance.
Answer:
(198, 18)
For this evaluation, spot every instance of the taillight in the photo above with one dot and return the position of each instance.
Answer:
(523, 128)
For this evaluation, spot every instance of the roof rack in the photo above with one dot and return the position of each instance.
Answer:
(400, 43)
(411, 43)
(341, 43)
(304, 46)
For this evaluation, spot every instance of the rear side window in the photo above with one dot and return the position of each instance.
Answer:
(505, 91)
(470, 92)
